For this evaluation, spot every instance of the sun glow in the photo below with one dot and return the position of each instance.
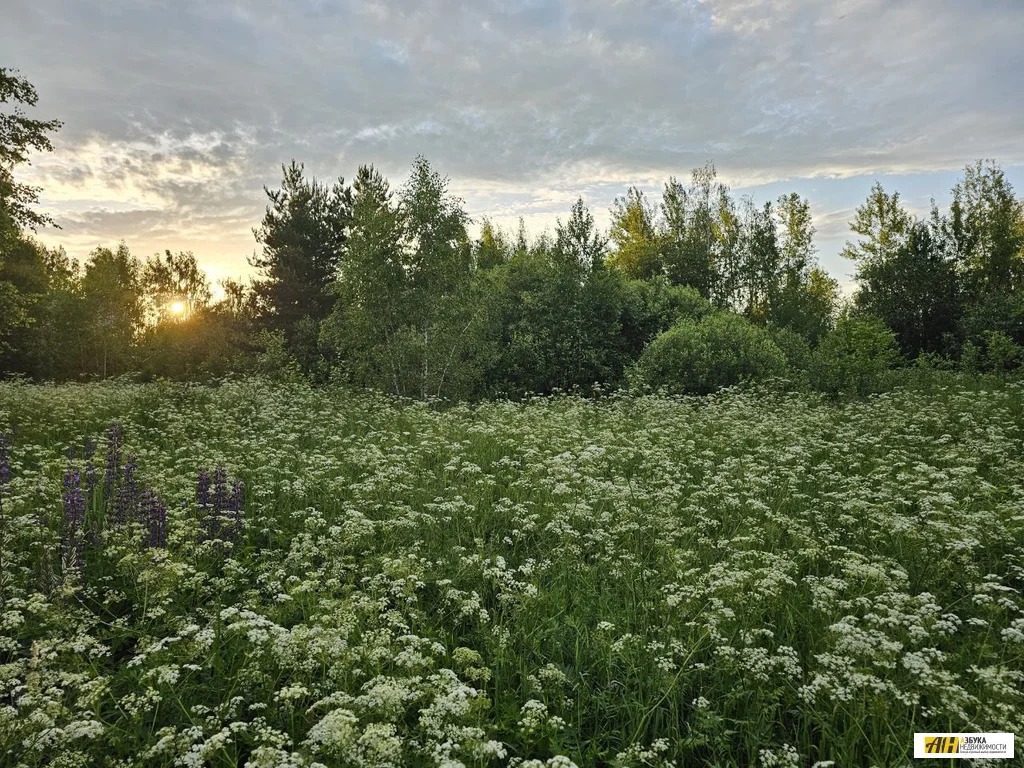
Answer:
(177, 308)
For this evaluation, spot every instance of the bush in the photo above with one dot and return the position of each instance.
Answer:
(795, 347)
(1001, 353)
(855, 357)
(698, 357)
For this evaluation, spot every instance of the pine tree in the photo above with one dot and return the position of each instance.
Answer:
(303, 234)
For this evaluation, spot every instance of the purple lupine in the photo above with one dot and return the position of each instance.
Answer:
(114, 440)
(5, 466)
(221, 511)
(203, 488)
(215, 517)
(74, 520)
(236, 506)
(220, 489)
(207, 516)
(126, 504)
(156, 520)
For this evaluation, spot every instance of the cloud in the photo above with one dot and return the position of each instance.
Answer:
(187, 109)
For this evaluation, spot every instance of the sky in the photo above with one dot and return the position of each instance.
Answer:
(177, 113)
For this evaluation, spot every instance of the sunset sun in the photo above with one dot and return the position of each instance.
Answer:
(177, 308)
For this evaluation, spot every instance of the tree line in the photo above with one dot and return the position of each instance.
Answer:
(383, 287)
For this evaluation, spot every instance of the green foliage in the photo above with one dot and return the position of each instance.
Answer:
(796, 349)
(54, 345)
(492, 248)
(986, 228)
(721, 350)
(883, 226)
(382, 290)
(553, 323)
(653, 306)
(407, 319)
(556, 323)
(638, 245)
(759, 279)
(1001, 311)
(911, 286)
(855, 357)
(175, 287)
(806, 304)
(1001, 353)
(272, 358)
(20, 135)
(578, 241)
(805, 297)
(694, 239)
(14, 308)
(20, 264)
(112, 298)
(303, 233)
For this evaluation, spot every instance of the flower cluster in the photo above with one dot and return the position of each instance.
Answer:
(5, 466)
(222, 511)
(74, 521)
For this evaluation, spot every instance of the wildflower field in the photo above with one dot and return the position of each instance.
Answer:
(274, 575)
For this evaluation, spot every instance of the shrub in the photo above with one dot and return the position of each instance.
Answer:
(1001, 353)
(795, 347)
(698, 357)
(855, 357)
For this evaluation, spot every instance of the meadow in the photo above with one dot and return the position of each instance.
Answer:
(270, 574)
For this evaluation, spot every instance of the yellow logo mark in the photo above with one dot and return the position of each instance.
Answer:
(942, 745)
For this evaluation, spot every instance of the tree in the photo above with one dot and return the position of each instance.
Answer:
(22, 283)
(438, 267)
(883, 226)
(303, 234)
(634, 232)
(689, 229)
(986, 227)
(60, 330)
(407, 317)
(113, 299)
(855, 356)
(699, 357)
(796, 244)
(24, 270)
(372, 287)
(174, 286)
(113, 308)
(806, 296)
(19, 136)
(578, 240)
(183, 335)
(558, 319)
(760, 261)
(913, 290)
(492, 248)
(438, 259)
(702, 237)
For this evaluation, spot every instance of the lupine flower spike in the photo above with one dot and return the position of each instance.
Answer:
(74, 520)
